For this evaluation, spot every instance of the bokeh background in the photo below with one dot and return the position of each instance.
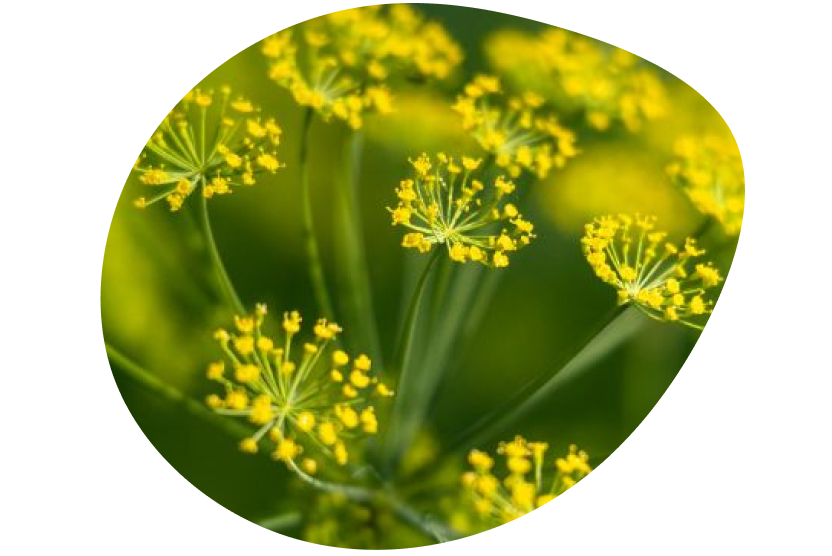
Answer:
(179, 480)
(175, 481)
(160, 304)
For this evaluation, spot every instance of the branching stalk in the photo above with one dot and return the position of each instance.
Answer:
(424, 523)
(356, 295)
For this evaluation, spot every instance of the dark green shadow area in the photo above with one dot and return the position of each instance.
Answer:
(178, 482)
(50, 419)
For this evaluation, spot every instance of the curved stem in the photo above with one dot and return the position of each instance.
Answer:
(423, 522)
(310, 242)
(404, 345)
(225, 282)
(406, 394)
(608, 334)
(154, 384)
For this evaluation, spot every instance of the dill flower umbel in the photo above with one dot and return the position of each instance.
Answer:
(213, 140)
(444, 204)
(341, 64)
(516, 131)
(709, 169)
(312, 399)
(666, 281)
(605, 83)
(523, 482)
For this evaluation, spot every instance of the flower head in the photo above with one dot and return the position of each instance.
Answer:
(709, 169)
(444, 204)
(341, 64)
(606, 84)
(522, 481)
(305, 395)
(516, 131)
(665, 280)
(212, 140)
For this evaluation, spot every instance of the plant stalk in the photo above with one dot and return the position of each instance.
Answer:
(310, 241)
(356, 302)
(157, 386)
(406, 390)
(226, 285)
(618, 325)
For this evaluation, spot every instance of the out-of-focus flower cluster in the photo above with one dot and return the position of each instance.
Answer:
(517, 131)
(341, 64)
(606, 83)
(310, 399)
(523, 482)
(444, 204)
(663, 279)
(709, 169)
(212, 139)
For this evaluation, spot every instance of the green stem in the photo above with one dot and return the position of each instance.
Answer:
(405, 342)
(424, 523)
(405, 397)
(231, 296)
(356, 297)
(155, 385)
(310, 242)
(615, 327)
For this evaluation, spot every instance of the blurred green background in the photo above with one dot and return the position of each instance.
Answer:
(86, 84)
(160, 304)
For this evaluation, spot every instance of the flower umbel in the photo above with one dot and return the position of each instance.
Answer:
(444, 204)
(606, 84)
(662, 279)
(213, 140)
(340, 64)
(516, 131)
(709, 169)
(307, 398)
(523, 482)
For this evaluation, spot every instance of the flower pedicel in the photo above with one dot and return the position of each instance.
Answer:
(445, 205)
(666, 281)
(215, 141)
(311, 400)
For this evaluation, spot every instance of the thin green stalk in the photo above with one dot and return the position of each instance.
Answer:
(617, 326)
(356, 295)
(443, 281)
(231, 296)
(310, 242)
(408, 331)
(402, 362)
(152, 383)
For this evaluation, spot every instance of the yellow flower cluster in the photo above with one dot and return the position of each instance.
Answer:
(340, 64)
(516, 131)
(528, 483)
(444, 204)
(212, 140)
(709, 170)
(311, 400)
(606, 83)
(663, 279)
